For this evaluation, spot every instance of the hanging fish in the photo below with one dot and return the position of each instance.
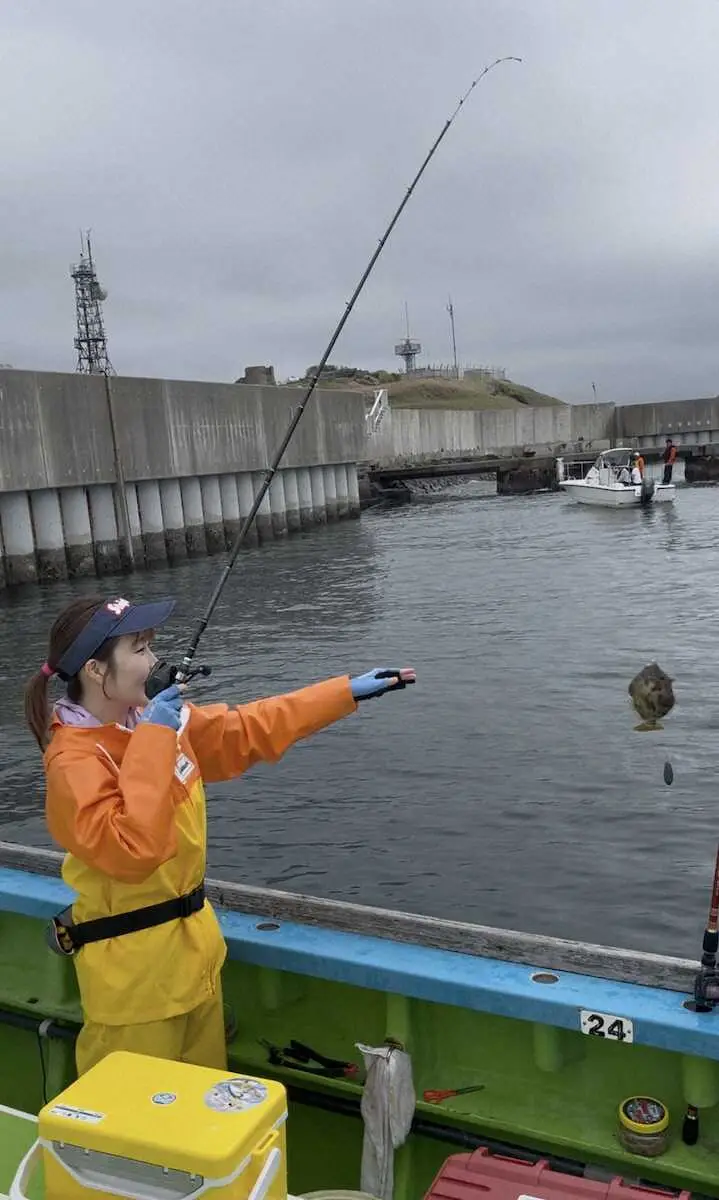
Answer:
(652, 696)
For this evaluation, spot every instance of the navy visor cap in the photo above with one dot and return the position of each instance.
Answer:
(115, 619)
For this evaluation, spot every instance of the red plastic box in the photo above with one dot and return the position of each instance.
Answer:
(486, 1176)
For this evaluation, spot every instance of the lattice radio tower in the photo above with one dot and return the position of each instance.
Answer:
(91, 340)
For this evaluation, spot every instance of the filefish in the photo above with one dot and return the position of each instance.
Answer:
(652, 697)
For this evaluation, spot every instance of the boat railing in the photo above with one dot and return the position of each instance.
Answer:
(576, 469)
(484, 941)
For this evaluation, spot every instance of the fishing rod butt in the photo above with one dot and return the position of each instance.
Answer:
(710, 945)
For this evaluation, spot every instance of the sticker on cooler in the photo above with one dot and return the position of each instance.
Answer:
(606, 1025)
(77, 1114)
(236, 1095)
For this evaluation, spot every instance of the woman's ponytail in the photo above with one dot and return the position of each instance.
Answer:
(37, 709)
(67, 627)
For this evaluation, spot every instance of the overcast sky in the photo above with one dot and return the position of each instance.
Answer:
(237, 162)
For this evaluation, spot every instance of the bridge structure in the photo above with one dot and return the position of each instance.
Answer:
(515, 474)
(520, 448)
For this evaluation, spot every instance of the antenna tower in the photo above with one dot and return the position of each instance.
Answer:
(407, 349)
(91, 340)
(450, 310)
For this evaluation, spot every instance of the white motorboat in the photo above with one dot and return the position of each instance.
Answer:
(604, 485)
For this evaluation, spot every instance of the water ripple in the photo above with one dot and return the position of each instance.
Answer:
(509, 786)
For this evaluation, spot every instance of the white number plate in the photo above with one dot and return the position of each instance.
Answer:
(606, 1025)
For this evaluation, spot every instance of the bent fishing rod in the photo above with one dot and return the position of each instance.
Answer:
(164, 674)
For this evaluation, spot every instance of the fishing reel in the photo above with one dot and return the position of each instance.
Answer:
(706, 982)
(163, 675)
(706, 990)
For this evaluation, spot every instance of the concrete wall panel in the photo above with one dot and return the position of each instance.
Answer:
(592, 422)
(675, 417)
(74, 429)
(55, 429)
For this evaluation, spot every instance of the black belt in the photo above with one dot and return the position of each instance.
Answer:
(66, 937)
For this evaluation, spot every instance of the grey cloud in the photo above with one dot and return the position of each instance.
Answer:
(238, 162)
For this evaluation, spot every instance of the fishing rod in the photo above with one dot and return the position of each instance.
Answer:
(706, 991)
(164, 674)
(706, 984)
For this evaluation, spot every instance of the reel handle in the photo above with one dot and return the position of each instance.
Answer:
(163, 675)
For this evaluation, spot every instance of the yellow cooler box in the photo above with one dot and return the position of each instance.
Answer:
(151, 1129)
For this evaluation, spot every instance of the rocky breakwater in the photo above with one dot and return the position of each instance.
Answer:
(399, 491)
(517, 474)
(530, 474)
(702, 467)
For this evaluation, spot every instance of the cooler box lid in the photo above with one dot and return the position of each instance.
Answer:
(170, 1114)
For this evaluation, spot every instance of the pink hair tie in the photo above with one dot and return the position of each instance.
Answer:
(47, 670)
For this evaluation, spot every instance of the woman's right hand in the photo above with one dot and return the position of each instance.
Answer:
(164, 709)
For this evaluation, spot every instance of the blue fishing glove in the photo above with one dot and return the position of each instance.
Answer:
(165, 708)
(380, 680)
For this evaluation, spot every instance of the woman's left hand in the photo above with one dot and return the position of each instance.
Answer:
(381, 680)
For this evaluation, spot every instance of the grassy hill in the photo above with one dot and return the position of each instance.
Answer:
(418, 392)
(465, 393)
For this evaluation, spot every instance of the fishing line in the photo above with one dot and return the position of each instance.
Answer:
(164, 674)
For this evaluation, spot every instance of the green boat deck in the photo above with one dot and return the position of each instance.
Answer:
(511, 1023)
(17, 1133)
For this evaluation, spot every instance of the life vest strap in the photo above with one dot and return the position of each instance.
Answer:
(66, 937)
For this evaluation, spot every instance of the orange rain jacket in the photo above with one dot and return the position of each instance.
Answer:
(129, 807)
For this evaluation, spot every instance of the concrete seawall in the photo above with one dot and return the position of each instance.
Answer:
(688, 422)
(102, 475)
(412, 435)
(96, 479)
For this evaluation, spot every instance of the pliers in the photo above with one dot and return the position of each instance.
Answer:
(299, 1057)
(436, 1095)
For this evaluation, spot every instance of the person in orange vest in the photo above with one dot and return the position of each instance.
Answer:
(638, 462)
(126, 800)
(670, 455)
